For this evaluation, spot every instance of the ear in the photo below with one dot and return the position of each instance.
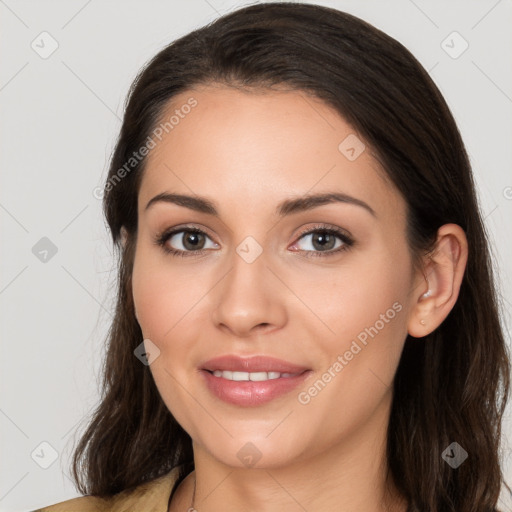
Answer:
(438, 289)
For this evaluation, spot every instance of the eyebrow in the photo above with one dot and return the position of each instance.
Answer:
(287, 207)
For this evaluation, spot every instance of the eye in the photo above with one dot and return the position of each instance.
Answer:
(324, 240)
(184, 242)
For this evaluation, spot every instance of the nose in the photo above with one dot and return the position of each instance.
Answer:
(250, 299)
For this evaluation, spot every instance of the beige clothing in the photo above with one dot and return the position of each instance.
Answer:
(149, 497)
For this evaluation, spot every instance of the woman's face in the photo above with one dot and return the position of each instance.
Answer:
(264, 278)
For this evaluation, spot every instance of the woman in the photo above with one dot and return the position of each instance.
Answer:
(306, 317)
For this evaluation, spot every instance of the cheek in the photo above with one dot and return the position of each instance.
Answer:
(168, 305)
(366, 311)
(163, 294)
(365, 297)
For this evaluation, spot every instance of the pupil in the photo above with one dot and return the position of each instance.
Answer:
(323, 241)
(195, 237)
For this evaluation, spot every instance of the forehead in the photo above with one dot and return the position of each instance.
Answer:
(252, 148)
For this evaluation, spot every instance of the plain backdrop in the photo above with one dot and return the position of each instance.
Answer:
(61, 113)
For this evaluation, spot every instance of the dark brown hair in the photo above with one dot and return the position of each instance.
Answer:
(450, 386)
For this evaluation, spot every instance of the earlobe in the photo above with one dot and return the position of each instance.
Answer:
(435, 297)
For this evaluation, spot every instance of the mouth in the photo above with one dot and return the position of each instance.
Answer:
(252, 365)
(252, 381)
(251, 376)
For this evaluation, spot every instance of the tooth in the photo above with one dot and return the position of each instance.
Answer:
(239, 376)
(258, 376)
(250, 376)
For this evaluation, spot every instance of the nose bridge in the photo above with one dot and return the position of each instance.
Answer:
(248, 294)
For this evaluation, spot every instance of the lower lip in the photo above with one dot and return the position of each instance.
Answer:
(249, 393)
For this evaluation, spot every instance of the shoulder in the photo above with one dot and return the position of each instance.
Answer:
(151, 496)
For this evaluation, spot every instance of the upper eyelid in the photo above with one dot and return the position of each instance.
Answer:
(340, 232)
(168, 233)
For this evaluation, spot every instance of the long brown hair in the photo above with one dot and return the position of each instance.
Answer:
(450, 386)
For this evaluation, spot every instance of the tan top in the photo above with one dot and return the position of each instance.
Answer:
(149, 497)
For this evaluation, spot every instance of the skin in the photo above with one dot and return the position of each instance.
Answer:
(248, 151)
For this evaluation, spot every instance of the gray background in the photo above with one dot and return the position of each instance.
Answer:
(60, 117)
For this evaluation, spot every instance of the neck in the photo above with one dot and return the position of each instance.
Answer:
(350, 476)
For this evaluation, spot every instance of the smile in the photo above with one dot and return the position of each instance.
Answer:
(252, 376)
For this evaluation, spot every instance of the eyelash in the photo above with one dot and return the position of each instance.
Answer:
(162, 238)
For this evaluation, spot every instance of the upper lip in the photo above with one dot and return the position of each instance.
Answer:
(260, 363)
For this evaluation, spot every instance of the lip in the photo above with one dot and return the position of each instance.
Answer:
(251, 393)
(236, 363)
